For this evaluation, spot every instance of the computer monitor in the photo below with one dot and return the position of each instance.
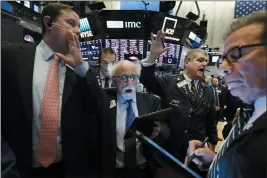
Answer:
(125, 48)
(90, 50)
(214, 59)
(170, 57)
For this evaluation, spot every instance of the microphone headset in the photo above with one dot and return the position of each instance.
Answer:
(50, 24)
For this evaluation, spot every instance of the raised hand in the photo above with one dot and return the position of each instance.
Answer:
(157, 47)
(74, 58)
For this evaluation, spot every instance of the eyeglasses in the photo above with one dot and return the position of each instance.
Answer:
(236, 53)
(125, 78)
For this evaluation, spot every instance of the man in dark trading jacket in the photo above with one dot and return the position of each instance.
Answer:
(194, 115)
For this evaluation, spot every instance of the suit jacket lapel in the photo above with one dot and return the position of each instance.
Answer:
(142, 109)
(25, 75)
(113, 117)
(70, 82)
(259, 124)
(183, 89)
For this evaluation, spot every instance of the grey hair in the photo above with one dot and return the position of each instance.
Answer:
(113, 69)
(255, 17)
(192, 53)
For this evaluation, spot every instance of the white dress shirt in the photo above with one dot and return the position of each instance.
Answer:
(42, 63)
(189, 80)
(122, 106)
(260, 108)
(102, 78)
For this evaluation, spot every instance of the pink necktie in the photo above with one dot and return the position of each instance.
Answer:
(49, 115)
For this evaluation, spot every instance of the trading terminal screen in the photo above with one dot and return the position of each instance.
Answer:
(169, 57)
(184, 52)
(126, 48)
(90, 50)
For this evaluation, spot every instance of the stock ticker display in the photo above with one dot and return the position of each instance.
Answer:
(90, 50)
(170, 57)
(125, 48)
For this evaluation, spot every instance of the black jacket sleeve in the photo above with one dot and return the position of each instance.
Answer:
(156, 85)
(211, 121)
(8, 161)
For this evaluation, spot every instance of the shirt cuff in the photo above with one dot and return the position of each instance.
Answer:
(145, 64)
(82, 69)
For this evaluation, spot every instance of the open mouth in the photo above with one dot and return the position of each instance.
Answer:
(128, 90)
(202, 70)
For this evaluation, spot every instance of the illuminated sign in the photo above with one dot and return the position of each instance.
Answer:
(122, 24)
(169, 26)
(85, 28)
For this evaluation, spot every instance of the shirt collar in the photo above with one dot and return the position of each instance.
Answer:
(47, 52)
(188, 79)
(260, 105)
(122, 101)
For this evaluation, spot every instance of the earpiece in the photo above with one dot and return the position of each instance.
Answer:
(49, 23)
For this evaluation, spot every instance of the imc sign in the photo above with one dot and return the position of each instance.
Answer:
(123, 24)
(85, 28)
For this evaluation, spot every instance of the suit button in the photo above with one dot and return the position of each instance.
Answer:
(189, 116)
(185, 131)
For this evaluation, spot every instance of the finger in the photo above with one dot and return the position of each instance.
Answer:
(165, 49)
(192, 145)
(71, 39)
(201, 152)
(152, 37)
(158, 36)
(157, 123)
(156, 129)
(186, 161)
(154, 135)
(77, 40)
(62, 57)
(162, 35)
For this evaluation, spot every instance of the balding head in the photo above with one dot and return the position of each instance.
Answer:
(125, 75)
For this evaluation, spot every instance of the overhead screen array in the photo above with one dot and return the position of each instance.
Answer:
(129, 34)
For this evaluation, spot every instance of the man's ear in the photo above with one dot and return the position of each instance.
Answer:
(47, 22)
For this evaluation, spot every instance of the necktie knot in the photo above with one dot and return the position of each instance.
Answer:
(129, 102)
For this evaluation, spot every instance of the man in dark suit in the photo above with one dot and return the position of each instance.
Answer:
(243, 153)
(45, 89)
(107, 58)
(134, 159)
(194, 116)
(218, 98)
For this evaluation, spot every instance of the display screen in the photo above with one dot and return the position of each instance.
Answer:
(169, 57)
(36, 8)
(123, 24)
(126, 48)
(182, 58)
(171, 25)
(215, 58)
(91, 49)
(27, 4)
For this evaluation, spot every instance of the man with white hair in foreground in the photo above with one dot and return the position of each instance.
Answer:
(131, 157)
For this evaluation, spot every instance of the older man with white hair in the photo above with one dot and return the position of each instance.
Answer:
(132, 158)
(243, 153)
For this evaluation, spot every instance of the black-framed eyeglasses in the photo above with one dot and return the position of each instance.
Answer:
(236, 53)
(126, 78)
